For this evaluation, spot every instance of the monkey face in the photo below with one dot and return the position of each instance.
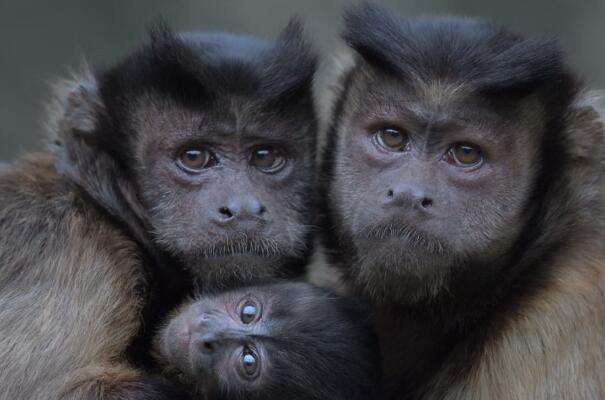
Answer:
(427, 178)
(228, 186)
(263, 342)
(214, 342)
(203, 145)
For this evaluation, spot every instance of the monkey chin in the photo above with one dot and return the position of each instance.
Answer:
(238, 269)
(400, 271)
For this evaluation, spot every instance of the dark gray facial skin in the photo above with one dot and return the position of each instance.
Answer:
(215, 342)
(426, 179)
(207, 145)
(289, 340)
(226, 186)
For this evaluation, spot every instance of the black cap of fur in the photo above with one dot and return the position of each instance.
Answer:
(491, 62)
(196, 68)
(456, 49)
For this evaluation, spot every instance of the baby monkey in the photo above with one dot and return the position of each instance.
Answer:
(277, 341)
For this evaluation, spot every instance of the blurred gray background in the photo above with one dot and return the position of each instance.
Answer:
(41, 40)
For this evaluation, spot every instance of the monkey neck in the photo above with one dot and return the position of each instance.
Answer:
(451, 332)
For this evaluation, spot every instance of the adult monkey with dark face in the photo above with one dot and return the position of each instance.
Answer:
(465, 193)
(195, 151)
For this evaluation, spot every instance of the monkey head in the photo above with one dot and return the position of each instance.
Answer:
(288, 340)
(447, 146)
(206, 143)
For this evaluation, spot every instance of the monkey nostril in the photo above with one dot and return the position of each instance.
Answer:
(390, 193)
(426, 202)
(226, 212)
(262, 210)
(207, 347)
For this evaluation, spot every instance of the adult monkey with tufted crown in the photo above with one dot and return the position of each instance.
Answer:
(464, 197)
(194, 156)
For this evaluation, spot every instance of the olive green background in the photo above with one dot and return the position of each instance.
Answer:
(42, 40)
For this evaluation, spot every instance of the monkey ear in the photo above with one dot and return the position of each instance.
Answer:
(83, 107)
(76, 105)
(74, 118)
(76, 113)
(584, 136)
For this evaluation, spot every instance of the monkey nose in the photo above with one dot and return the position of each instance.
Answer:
(406, 195)
(207, 346)
(240, 209)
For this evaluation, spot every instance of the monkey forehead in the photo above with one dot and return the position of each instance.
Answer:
(491, 58)
(442, 105)
(371, 86)
(169, 121)
(197, 69)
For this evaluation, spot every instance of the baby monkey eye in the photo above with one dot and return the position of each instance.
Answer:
(268, 159)
(391, 139)
(194, 160)
(464, 154)
(249, 312)
(249, 363)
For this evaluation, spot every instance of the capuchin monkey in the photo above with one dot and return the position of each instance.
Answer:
(190, 160)
(464, 198)
(281, 341)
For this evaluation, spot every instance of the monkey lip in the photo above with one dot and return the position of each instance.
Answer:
(415, 238)
(245, 248)
(239, 254)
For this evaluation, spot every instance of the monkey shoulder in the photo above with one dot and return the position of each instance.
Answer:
(45, 213)
(551, 346)
(69, 278)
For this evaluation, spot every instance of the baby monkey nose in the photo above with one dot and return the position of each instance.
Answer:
(207, 346)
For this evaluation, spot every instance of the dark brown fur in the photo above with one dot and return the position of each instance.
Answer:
(96, 234)
(524, 317)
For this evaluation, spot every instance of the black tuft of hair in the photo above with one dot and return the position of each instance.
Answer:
(195, 69)
(472, 50)
(290, 69)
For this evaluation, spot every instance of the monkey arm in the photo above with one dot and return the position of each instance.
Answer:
(69, 293)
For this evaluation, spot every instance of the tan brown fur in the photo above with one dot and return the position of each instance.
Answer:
(69, 289)
(553, 347)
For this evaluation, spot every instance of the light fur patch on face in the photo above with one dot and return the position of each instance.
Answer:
(440, 94)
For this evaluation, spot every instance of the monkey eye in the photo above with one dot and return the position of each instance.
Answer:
(268, 159)
(194, 160)
(249, 363)
(464, 155)
(391, 139)
(249, 312)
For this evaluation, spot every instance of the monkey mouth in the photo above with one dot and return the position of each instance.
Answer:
(246, 247)
(414, 237)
